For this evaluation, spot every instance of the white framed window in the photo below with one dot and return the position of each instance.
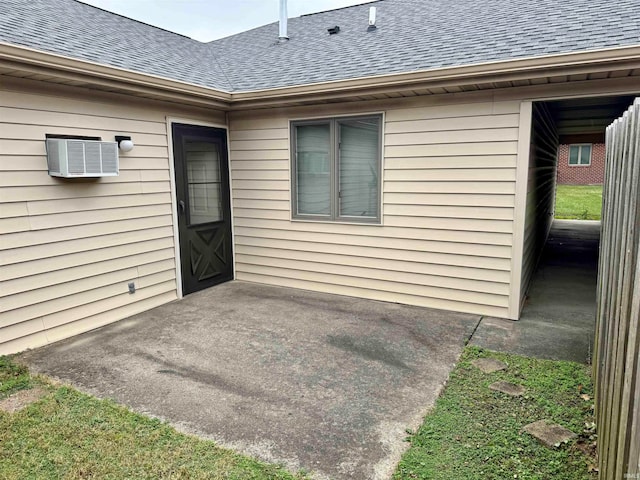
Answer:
(580, 154)
(336, 169)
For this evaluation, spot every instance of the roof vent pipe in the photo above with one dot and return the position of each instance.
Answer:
(283, 21)
(372, 18)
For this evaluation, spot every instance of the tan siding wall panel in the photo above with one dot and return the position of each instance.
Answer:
(452, 149)
(412, 245)
(260, 175)
(18, 209)
(429, 285)
(263, 134)
(485, 161)
(73, 300)
(82, 189)
(371, 258)
(276, 186)
(471, 225)
(41, 222)
(452, 175)
(453, 123)
(85, 324)
(398, 286)
(262, 204)
(262, 144)
(457, 211)
(469, 200)
(70, 247)
(37, 133)
(540, 191)
(17, 343)
(58, 120)
(463, 188)
(368, 292)
(452, 111)
(448, 200)
(95, 203)
(262, 165)
(73, 239)
(449, 236)
(60, 291)
(456, 136)
(23, 329)
(101, 306)
(49, 264)
(146, 263)
(258, 154)
(14, 224)
(261, 195)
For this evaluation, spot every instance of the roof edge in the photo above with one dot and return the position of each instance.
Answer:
(523, 67)
(66, 67)
(25, 58)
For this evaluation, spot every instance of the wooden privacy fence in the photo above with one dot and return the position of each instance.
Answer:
(617, 348)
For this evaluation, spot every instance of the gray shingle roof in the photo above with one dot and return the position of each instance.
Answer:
(411, 35)
(77, 30)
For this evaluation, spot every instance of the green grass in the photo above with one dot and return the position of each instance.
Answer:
(70, 435)
(12, 377)
(579, 202)
(472, 433)
(475, 433)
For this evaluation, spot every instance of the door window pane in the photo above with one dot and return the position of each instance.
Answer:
(204, 182)
(358, 167)
(313, 169)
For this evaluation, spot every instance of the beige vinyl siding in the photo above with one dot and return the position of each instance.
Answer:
(540, 190)
(448, 208)
(69, 248)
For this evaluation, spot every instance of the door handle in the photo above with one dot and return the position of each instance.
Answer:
(181, 206)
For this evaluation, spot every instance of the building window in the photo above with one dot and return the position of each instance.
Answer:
(580, 154)
(336, 169)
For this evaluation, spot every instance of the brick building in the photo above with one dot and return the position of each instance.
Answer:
(581, 164)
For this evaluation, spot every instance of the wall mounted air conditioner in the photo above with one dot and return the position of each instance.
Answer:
(72, 158)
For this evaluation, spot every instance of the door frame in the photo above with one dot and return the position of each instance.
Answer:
(174, 198)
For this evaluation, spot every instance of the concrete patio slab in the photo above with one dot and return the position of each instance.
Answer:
(558, 319)
(314, 381)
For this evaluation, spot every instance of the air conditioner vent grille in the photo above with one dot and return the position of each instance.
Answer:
(92, 160)
(82, 158)
(53, 158)
(109, 157)
(75, 152)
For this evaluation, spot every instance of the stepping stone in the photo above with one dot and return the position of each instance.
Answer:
(489, 365)
(550, 434)
(508, 388)
(22, 399)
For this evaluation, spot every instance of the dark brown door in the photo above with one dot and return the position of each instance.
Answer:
(204, 208)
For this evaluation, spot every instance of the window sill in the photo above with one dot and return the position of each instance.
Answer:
(377, 223)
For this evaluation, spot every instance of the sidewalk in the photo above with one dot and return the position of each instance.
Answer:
(558, 319)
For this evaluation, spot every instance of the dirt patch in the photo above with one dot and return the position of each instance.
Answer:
(22, 399)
